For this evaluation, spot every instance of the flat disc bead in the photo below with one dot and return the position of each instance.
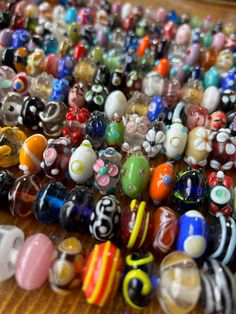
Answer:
(34, 261)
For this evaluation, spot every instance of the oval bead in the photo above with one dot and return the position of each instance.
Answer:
(34, 261)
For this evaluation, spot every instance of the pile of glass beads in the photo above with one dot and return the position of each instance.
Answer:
(99, 102)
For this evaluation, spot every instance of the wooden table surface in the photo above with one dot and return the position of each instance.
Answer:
(14, 300)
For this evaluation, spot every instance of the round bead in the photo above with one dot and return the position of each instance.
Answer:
(65, 274)
(29, 274)
(139, 280)
(77, 209)
(135, 175)
(105, 219)
(102, 273)
(135, 225)
(56, 158)
(23, 194)
(222, 239)
(31, 153)
(192, 236)
(49, 201)
(164, 228)
(180, 284)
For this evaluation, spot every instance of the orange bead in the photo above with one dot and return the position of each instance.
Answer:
(143, 45)
(31, 153)
(163, 67)
(161, 182)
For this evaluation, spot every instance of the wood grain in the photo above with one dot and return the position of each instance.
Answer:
(14, 300)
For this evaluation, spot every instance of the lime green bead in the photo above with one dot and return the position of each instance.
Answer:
(196, 22)
(73, 32)
(97, 54)
(115, 133)
(112, 63)
(135, 175)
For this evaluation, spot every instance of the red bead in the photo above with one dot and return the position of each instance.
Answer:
(79, 52)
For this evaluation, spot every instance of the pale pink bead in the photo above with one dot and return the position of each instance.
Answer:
(34, 261)
(183, 34)
(218, 41)
(161, 14)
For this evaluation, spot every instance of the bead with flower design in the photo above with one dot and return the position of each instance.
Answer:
(198, 146)
(107, 170)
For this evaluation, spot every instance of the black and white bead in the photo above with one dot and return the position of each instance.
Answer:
(222, 239)
(218, 288)
(105, 219)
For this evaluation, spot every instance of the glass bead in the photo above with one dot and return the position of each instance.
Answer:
(6, 76)
(218, 288)
(56, 158)
(95, 97)
(96, 128)
(20, 38)
(189, 190)
(105, 219)
(164, 229)
(135, 220)
(107, 170)
(35, 62)
(29, 252)
(6, 182)
(135, 175)
(41, 86)
(153, 84)
(11, 108)
(65, 274)
(23, 195)
(12, 239)
(180, 284)
(66, 67)
(49, 201)
(136, 128)
(115, 132)
(221, 239)
(11, 141)
(84, 71)
(31, 153)
(60, 89)
(140, 271)
(30, 113)
(53, 118)
(77, 209)
(21, 83)
(104, 266)
(192, 235)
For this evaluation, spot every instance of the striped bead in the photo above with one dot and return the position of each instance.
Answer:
(102, 273)
(222, 239)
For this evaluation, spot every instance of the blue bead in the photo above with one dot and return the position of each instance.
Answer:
(49, 202)
(20, 38)
(71, 15)
(66, 67)
(156, 109)
(76, 210)
(192, 237)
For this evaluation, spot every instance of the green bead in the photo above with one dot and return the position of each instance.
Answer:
(115, 133)
(206, 40)
(196, 22)
(135, 175)
(73, 32)
(112, 63)
(97, 54)
(140, 31)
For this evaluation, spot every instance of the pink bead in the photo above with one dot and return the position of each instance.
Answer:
(218, 41)
(161, 14)
(34, 261)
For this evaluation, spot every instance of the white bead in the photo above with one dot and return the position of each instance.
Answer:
(11, 240)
